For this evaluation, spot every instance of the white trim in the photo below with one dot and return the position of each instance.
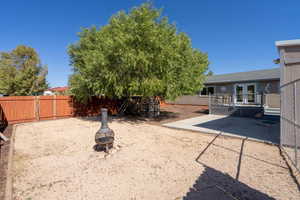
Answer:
(244, 92)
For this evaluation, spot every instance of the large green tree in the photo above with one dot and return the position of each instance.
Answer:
(21, 72)
(136, 53)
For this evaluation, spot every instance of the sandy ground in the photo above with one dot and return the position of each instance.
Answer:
(55, 160)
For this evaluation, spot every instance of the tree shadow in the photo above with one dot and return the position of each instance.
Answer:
(213, 184)
(202, 111)
(134, 119)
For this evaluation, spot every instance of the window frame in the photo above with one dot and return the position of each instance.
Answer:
(206, 88)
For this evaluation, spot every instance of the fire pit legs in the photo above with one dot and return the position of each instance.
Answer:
(104, 137)
(106, 148)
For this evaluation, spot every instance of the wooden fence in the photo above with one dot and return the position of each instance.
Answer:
(19, 109)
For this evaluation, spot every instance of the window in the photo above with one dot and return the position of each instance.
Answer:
(208, 90)
(204, 91)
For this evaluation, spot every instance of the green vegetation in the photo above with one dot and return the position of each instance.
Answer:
(136, 53)
(210, 73)
(21, 72)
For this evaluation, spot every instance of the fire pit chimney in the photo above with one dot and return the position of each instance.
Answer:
(104, 137)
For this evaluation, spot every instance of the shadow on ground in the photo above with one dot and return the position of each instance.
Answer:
(203, 111)
(168, 113)
(136, 119)
(213, 184)
(266, 128)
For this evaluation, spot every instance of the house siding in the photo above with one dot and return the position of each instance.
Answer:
(269, 87)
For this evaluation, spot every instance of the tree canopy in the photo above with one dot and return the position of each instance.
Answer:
(210, 73)
(136, 53)
(21, 72)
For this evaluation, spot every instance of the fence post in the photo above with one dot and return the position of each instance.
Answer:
(209, 103)
(54, 107)
(295, 123)
(37, 107)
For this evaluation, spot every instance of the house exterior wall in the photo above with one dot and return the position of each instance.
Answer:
(266, 87)
(225, 89)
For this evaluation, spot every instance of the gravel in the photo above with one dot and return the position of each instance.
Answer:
(56, 160)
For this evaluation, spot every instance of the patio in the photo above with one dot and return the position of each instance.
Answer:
(266, 129)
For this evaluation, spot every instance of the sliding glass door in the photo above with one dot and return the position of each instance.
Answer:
(251, 93)
(239, 93)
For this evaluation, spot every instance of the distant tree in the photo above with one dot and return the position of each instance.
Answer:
(276, 61)
(21, 72)
(136, 53)
(210, 73)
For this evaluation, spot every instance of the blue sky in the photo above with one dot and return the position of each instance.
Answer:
(237, 35)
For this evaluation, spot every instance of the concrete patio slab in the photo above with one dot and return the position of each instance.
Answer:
(266, 129)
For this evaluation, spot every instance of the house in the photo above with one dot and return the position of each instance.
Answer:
(56, 91)
(250, 87)
(48, 93)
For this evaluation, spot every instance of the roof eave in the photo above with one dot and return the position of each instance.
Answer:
(242, 81)
(285, 43)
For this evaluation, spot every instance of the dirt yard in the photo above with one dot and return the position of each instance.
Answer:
(178, 112)
(55, 160)
(170, 113)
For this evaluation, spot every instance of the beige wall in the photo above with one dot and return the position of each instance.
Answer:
(290, 95)
(191, 100)
(272, 100)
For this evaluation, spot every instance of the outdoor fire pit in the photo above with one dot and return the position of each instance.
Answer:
(104, 137)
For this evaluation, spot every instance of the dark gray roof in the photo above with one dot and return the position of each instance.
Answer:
(266, 74)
